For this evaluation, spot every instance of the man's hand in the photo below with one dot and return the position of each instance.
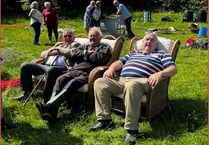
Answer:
(53, 52)
(91, 51)
(109, 74)
(155, 78)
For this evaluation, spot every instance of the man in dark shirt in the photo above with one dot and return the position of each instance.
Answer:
(86, 57)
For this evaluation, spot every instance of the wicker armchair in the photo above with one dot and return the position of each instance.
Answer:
(87, 90)
(153, 104)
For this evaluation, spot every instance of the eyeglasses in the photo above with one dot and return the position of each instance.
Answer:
(68, 36)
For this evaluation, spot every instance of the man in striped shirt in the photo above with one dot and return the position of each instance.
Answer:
(140, 71)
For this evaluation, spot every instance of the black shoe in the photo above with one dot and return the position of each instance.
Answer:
(49, 117)
(40, 107)
(106, 125)
(132, 136)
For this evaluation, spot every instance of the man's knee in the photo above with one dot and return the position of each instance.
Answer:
(101, 83)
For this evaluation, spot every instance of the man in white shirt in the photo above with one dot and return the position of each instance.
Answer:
(52, 63)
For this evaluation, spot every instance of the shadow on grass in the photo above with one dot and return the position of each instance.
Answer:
(26, 134)
(183, 115)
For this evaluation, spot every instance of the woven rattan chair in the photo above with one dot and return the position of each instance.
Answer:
(87, 90)
(153, 104)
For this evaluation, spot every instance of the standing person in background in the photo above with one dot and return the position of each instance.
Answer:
(86, 17)
(35, 21)
(126, 16)
(96, 14)
(50, 19)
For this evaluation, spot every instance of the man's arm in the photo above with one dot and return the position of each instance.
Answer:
(156, 77)
(115, 66)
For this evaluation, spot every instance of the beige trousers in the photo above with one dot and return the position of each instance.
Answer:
(132, 88)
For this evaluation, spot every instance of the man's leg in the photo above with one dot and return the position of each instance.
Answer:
(135, 88)
(104, 88)
(52, 73)
(26, 83)
(66, 84)
(128, 27)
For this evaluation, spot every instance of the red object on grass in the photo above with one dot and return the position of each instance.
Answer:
(10, 83)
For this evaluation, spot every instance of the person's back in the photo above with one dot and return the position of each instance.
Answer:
(124, 11)
(126, 16)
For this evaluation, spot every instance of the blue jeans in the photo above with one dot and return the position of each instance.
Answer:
(37, 29)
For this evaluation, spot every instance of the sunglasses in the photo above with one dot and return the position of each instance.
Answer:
(68, 36)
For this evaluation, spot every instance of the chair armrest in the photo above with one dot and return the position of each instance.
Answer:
(96, 73)
(158, 98)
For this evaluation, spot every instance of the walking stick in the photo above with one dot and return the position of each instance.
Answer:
(36, 86)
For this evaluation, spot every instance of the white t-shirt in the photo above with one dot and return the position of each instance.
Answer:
(37, 14)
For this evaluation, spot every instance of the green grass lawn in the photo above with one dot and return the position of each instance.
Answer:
(185, 124)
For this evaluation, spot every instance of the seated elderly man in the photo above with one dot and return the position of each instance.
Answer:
(140, 72)
(86, 57)
(52, 63)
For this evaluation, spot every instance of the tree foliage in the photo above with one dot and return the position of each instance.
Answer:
(77, 7)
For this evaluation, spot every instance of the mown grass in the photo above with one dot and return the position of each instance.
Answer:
(184, 124)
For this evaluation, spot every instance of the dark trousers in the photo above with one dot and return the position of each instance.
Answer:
(66, 85)
(53, 28)
(128, 27)
(51, 73)
(37, 32)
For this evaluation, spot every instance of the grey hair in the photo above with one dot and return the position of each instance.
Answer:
(34, 5)
(47, 3)
(68, 30)
(153, 34)
(97, 30)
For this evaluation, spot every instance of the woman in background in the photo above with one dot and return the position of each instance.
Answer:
(35, 21)
(96, 14)
(50, 19)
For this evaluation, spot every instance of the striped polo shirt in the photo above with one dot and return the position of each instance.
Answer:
(141, 65)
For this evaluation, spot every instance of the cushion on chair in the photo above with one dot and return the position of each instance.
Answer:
(164, 44)
(86, 40)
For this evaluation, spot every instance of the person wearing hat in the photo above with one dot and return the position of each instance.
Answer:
(35, 21)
